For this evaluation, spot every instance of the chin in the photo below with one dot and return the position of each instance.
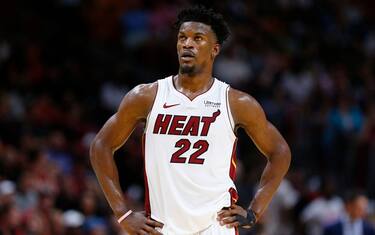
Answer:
(187, 69)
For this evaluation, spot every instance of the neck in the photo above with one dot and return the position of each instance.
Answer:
(193, 86)
(350, 218)
(193, 83)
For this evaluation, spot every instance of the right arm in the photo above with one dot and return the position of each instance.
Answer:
(133, 109)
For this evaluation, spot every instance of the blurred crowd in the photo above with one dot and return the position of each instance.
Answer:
(66, 64)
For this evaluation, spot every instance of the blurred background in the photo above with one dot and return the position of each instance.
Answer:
(66, 64)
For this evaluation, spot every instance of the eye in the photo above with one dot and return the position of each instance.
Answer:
(181, 37)
(198, 38)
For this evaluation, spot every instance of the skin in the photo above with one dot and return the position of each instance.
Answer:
(357, 209)
(194, 78)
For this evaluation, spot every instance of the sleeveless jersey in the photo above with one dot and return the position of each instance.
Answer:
(189, 150)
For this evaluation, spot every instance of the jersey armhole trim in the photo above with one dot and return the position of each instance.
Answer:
(152, 107)
(229, 112)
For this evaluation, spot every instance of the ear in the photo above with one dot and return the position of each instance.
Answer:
(215, 50)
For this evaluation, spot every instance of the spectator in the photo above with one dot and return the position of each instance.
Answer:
(278, 216)
(7, 192)
(10, 218)
(73, 221)
(353, 220)
(323, 210)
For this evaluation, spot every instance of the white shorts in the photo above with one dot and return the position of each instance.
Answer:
(217, 229)
(213, 229)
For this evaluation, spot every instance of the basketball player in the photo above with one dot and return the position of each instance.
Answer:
(189, 143)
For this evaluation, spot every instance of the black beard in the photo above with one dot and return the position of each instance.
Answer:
(189, 70)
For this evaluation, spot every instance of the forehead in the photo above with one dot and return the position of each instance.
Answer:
(195, 27)
(361, 200)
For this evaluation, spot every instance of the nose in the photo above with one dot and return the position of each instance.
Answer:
(188, 43)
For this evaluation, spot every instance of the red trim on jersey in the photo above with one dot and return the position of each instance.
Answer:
(232, 169)
(147, 196)
(233, 195)
(236, 231)
(232, 173)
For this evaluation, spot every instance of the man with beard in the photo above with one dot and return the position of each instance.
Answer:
(189, 142)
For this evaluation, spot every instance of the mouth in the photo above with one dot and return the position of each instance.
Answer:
(187, 55)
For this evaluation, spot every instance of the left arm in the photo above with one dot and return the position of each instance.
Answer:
(248, 114)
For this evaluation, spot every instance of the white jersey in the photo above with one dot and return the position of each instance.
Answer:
(189, 158)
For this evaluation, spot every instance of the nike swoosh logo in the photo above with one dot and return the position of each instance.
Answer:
(169, 106)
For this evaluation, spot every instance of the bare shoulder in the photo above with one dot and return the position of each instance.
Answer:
(144, 92)
(139, 100)
(245, 108)
(237, 97)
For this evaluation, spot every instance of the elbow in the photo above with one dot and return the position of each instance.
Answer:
(100, 151)
(286, 156)
(281, 158)
(95, 149)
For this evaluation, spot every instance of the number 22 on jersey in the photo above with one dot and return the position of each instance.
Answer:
(184, 145)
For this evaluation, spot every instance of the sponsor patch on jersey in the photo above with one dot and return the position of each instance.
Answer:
(212, 104)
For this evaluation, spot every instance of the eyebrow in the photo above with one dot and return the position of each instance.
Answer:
(197, 33)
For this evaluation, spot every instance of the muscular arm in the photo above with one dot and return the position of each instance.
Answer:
(133, 109)
(248, 114)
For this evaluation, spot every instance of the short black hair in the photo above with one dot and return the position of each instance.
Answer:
(199, 13)
(352, 194)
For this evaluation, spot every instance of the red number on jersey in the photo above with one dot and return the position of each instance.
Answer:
(184, 145)
(202, 146)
